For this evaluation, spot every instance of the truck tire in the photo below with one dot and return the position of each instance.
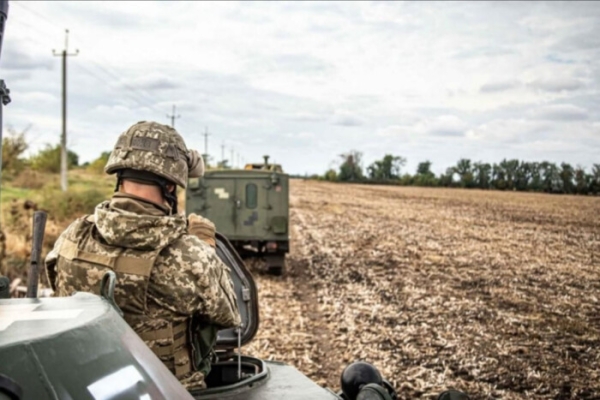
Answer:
(276, 264)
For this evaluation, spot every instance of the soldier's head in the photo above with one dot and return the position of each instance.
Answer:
(150, 153)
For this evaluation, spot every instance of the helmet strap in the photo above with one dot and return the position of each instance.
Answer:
(170, 197)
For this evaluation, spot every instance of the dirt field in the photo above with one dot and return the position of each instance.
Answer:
(494, 293)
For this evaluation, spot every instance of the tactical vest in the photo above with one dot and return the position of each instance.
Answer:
(82, 262)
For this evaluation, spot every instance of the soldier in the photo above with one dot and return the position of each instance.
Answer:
(169, 283)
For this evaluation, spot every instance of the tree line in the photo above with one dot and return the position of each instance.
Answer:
(508, 174)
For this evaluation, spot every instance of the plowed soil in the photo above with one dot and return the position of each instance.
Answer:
(494, 293)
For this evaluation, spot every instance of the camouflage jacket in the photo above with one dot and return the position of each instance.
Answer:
(165, 276)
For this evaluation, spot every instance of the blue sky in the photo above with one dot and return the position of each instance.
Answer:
(305, 82)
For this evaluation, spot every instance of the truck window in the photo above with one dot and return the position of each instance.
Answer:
(251, 195)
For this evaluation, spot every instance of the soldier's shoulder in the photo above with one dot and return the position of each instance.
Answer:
(188, 248)
(189, 243)
(75, 226)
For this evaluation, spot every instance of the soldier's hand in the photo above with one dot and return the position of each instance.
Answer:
(202, 228)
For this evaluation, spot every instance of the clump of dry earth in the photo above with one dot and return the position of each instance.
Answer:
(494, 293)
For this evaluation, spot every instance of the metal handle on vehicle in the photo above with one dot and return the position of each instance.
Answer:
(107, 289)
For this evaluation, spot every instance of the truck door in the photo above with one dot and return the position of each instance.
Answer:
(252, 207)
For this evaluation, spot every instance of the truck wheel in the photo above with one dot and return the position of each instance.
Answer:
(276, 264)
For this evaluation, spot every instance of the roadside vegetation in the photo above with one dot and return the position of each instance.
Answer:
(33, 183)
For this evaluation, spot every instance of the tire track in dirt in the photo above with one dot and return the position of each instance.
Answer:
(305, 240)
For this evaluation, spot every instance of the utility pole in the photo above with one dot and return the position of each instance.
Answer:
(223, 154)
(232, 161)
(173, 117)
(63, 138)
(206, 135)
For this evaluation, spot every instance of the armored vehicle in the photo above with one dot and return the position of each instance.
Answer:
(249, 206)
(79, 347)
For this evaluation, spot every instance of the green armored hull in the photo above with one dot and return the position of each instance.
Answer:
(80, 347)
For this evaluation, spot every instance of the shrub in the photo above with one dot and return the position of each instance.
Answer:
(97, 166)
(48, 159)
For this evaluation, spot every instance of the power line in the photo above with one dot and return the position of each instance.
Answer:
(22, 5)
(142, 97)
(132, 89)
(34, 28)
(130, 95)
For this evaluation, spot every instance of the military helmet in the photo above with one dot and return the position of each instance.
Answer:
(155, 148)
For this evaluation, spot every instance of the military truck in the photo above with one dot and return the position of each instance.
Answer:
(249, 206)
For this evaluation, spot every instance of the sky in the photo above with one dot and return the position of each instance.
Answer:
(304, 82)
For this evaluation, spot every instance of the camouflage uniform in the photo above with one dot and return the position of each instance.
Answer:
(166, 278)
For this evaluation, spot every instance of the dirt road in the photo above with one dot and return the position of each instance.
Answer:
(494, 293)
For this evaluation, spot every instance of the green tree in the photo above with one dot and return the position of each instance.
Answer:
(424, 168)
(499, 177)
(331, 175)
(536, 184)
(510, 172)
(424, 176)
(522, 176)
(595, 179)
(582, 181)
(351, 167)
(566, 175)
(465, 172)
(98, 164)
(387, 168)
(447, 179)
(48, 159)
(13, 146)
(483, 173)
(551, 179)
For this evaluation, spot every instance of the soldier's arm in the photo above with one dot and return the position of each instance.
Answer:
(190, 280)
(223, 310)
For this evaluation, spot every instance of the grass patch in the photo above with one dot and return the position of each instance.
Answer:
(10, 193)
(30, 179)
(66, 206)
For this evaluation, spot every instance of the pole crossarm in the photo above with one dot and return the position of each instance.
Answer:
(173, 116)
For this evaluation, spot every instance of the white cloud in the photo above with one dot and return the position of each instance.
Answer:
(443, 125)
(498, 86)
(347, 119)
(459, 77)
(557, 84)
(560, 112)
(446, 125)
